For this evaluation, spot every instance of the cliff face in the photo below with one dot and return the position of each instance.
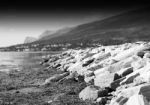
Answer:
(29, 39)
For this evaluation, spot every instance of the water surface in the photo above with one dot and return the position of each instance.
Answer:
(21, 60)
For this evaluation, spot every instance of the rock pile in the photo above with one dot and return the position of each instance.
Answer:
(115, 75)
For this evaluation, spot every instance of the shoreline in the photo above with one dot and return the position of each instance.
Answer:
(113, 74)
(105, 75)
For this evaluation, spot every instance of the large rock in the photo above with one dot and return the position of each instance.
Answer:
(126, 63)
(137, 100)
(141, 89)
(101, 101)
(89, 80)
(142, 72)
(125, 71)
(138, 64)
(116, 83)
(141, 54)
(144, 77)
(104, 79)
(145, 91)
(77, 67)
(103, 92)
(129, 52)
(100, 57)
(123, 101)
(119, 101)
(129, 79)
(89, 93)
(146, 55)
(87, 62)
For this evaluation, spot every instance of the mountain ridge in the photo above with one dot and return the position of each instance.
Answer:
(127, 27)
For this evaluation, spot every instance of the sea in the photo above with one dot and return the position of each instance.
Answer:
(21, 60)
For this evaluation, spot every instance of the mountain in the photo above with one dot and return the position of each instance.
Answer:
(46, 33)
(126, 27)
(129, 26)
(51, 34)
(29, 39)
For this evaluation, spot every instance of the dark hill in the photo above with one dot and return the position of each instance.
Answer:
(126, 27)
(55, 34)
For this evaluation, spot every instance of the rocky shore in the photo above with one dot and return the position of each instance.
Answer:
(113, 75)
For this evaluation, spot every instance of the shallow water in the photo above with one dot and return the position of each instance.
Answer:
(21, 60)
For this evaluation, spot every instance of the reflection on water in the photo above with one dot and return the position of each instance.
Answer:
(20, 60)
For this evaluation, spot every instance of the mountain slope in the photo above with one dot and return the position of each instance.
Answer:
(129, 26)
(55, 34)
(29, 39)
(45, 33)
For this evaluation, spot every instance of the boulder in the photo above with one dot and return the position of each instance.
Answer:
(101, 101)
(129, 52)
(104, 79)
(142, 72)
(100, 71)
(137, 100)
(116, 76)
(77, 67)
(89, 73)
(100, 57)
(141, 89)
(103, 92)
(123, 72)
(89, 80)
(146, 55)
(86, 63)
(126, 63)
(145, 91)
(123, 101)
(129, 79)
(57, 65)
(89, 93)
(138, 64)
(141, 54)
(144, 77)
(119, 101)
(116, 83)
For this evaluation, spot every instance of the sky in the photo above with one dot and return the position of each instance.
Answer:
(19, 19)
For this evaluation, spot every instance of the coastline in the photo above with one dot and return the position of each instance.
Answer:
(112, 74)
(105, 75)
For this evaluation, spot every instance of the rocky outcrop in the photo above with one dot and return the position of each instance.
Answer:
(115, 75)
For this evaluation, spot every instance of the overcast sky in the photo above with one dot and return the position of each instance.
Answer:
(21, 19)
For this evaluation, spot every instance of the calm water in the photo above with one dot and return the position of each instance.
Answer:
(21, 60)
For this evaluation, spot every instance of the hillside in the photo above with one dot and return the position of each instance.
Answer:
(52, 34)
(29, 39)
(46, 33)
(129, 26)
